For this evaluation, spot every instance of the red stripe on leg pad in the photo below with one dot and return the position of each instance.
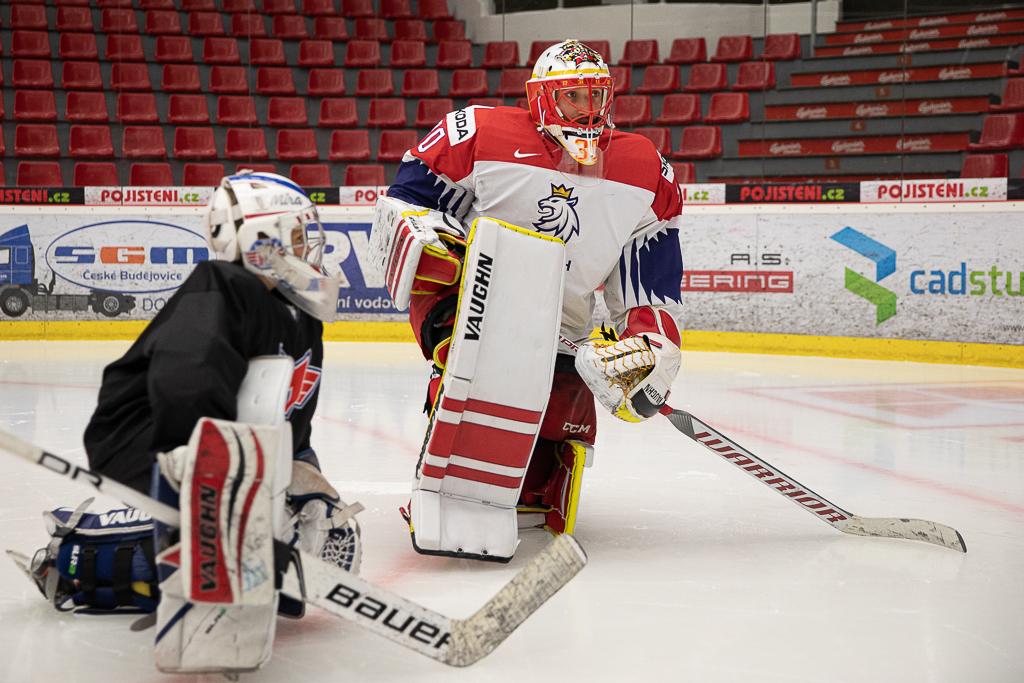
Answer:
(253, 488)
(495, 446)
(209, 573)
(483, 477)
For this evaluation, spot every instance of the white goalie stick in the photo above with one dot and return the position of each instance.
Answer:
(823, 509)
(456, 642)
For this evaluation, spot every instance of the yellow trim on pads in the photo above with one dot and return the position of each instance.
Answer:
(960, 353)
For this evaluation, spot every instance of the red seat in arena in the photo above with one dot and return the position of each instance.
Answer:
(236, 110)
(454, 54)
(296, 145)
(278, 7)
(639, 53)
(136, 108)
(118, 21)
(163, 23)
(311, 175)
(36, 140)
(74, 19)
(706, 78)
(195, 143)
(126, 48)
(728, 107)
(374, 83)
(77, 46)
(448, 30)
(999, 132)
(316, 53)
(203, 24)
(248, 26)
(396, 9)
(410, 29)
(316, 8)
(86, 107)
(35, 105)
(187, 109)
(174, 49)
(151, 175)
(688, 51)
(96, 174)
(468, 83)
(679, 109)
(266, 52)
(245, 143)
(364, 174)
(274, 80)
(487, 102)
(985, 166)
(357, 8)
(330, 28)
(429, 112)
(338, 112)
(603, 47)
(144, 142)
(198, 5)
(326, 82)
(501, 54)
(755, 76)
(700, 142)
(156, 4)
(407, 54)
(622, 76)
(362, 53)
(513, 82)
(660, 136)
(631, 110)
(287, 111)
(130, 77)
(781, 47)
(75, 76)
(39, 174)
(25, 16)
(1013, 96)
(433, 9)
(685, 172)
(395, 143)
(30, 44)
(202, 175)
(420, 83)
(221, 51)
(734, 49)
(372, 29)
(289, 27)
(350, 145)
(90, 142)
(239, 6)
(537, 48)
(228, 80)
(180, 78)
(386, 113)
(659, 79)
(256, 167)
(35, 73)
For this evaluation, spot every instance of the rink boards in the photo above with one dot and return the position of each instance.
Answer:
(928, 281)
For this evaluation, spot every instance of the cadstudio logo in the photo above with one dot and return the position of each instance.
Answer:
(884, 259)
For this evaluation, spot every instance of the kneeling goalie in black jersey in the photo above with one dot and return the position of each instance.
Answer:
(176, 420)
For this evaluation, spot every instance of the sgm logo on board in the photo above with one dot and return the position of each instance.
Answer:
(136, 256)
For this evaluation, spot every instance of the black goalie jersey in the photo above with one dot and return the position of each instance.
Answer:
(189, 363)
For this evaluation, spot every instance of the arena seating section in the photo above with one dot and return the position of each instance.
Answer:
(158, 92)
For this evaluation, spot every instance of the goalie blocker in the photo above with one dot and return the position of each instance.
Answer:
(493, 393)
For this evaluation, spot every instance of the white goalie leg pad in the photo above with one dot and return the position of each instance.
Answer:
(235, 633)
(408, 246)
(493, 394)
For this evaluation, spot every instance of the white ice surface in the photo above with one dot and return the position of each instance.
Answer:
(697, 572)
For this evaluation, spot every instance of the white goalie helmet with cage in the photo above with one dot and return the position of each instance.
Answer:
(570, 95)
(269, 224)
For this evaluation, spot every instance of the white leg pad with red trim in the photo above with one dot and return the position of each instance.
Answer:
(493, 394)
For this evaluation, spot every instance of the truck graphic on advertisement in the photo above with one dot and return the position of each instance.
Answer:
(20, 290)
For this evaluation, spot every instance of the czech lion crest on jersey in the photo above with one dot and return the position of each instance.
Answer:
(558, 213)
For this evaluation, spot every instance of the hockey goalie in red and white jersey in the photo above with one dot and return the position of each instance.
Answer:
(560, 169)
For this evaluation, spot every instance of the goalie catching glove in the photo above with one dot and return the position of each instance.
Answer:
(632, 376)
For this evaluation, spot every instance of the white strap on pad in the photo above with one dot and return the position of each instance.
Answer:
(493, 395)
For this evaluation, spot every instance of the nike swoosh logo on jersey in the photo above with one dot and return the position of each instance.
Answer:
(519, 155)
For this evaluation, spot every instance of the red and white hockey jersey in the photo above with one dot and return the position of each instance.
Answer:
(619, 222)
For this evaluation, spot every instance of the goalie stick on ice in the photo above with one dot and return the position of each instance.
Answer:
(456, 642)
